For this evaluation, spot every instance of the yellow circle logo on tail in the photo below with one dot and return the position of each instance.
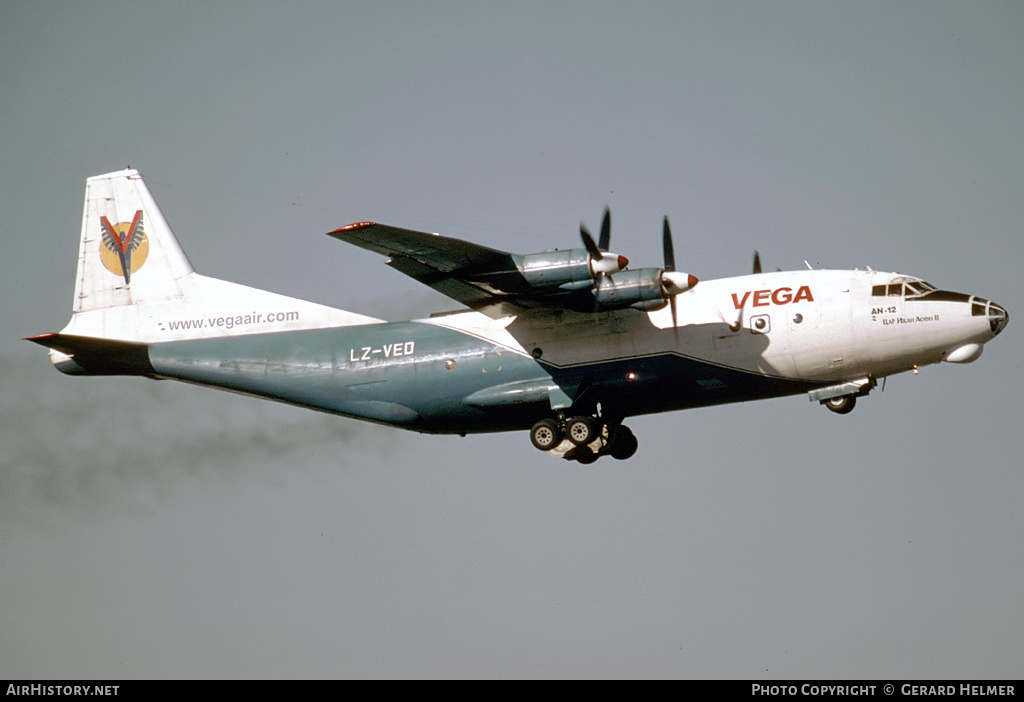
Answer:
(125, 246)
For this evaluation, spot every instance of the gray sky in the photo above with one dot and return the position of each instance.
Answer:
(157, 530)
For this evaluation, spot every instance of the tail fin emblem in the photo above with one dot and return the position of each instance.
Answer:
(125, 246)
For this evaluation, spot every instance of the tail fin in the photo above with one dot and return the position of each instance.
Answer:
(128, 253)
(136, 285)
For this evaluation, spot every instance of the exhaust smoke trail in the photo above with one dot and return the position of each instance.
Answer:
(86, 448)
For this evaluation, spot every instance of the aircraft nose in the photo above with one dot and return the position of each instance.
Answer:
(998, 317)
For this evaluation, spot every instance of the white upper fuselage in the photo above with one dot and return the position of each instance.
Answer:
(829, 325)
(815, 325)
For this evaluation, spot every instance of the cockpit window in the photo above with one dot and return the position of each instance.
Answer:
(891, 290)
(918, 288)
(910, 289)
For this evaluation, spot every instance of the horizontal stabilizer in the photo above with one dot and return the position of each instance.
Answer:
(87, 355)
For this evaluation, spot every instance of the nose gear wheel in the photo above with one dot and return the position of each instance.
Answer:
(841, 405)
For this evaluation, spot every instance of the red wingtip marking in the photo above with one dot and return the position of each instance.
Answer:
(42, 339)
(354, 226)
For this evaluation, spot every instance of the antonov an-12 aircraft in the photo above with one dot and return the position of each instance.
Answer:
(564, 344)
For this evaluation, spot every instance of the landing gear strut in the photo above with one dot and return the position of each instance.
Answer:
(583, 439)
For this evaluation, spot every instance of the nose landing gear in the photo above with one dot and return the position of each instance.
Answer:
(583, 439)
(841, 405)
(842, 398)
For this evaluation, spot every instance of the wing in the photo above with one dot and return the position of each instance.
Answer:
(477, 276)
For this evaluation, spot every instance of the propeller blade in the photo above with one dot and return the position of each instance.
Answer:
(588, 241)
(757, 262)
(606, 231)
(597, 286)
(666, 242)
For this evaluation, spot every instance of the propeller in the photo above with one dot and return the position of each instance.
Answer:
(602, 263)
(673, 282)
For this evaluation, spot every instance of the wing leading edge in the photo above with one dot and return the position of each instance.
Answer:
(476, 276)
(586, 280)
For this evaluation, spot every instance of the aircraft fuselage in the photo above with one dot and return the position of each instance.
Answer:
(735, 339)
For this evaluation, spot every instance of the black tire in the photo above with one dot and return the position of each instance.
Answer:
(625, 444)
(582, 430)
(546, 434)
(841, 405)
(583, 454)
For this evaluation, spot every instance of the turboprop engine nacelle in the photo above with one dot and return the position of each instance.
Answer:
(572, 269)
(644, 289)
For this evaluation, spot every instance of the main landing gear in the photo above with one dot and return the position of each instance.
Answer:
(583, 439)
